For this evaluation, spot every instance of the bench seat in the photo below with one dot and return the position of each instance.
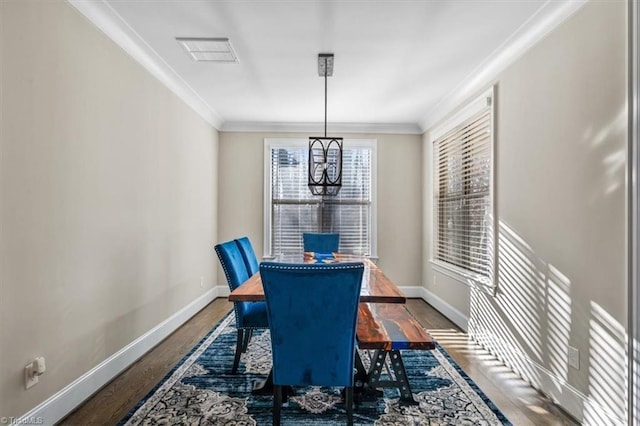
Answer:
(388, 328)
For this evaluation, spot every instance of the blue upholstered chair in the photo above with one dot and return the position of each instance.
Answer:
(312, 312)
(248, 255)
(249, 315)
(320, 243)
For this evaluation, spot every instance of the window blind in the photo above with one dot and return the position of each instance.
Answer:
(294, 210)
(463, 201)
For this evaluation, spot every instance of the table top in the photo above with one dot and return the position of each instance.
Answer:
(376, 287)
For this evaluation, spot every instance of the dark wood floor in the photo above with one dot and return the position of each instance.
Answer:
(519, 402)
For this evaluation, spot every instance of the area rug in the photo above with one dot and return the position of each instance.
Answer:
(201, 391)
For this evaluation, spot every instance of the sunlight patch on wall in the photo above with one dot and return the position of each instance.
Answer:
(613, 164)
(615, 127)
(607, 369)
(528, 324)
(487, 326)
(636, 378)
(559, 322)
(522, 290)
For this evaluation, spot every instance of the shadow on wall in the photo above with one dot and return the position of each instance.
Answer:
(530, 324)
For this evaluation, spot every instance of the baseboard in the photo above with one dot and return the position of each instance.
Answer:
(454, 315)
(66, 400)
(222, 291)
(569, 398)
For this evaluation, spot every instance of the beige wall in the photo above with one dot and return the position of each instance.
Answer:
(108, 207)
(561, 133)
(241, 194)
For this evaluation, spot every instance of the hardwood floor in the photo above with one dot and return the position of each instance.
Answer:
(522, 404)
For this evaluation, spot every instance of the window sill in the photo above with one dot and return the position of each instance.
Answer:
(465, 277)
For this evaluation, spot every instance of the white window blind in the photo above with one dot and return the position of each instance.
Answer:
(294, 210)
(463, 201)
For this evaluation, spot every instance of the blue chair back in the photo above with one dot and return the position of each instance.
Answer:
(232, 264)
(320, 243)
(312, 312)
(249, 315)
(248, 255)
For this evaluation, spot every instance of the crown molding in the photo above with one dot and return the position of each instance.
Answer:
(549, 16)
(318, 128)
(102, 15)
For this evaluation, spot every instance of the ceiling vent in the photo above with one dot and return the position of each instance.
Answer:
(208, 49)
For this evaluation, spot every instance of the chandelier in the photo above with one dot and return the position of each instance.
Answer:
(325, 154)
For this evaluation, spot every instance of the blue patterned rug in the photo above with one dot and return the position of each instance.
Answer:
(200, 391)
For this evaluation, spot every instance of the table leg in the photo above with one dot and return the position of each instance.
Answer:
(265, 387)
(362, 390)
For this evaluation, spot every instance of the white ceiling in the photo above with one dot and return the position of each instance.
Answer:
(397, 63)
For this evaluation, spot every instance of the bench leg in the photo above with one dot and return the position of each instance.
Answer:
(401, 381)
(375, 368)
(406, 396)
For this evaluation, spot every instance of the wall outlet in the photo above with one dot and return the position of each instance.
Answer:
(30, 379)
(435, 281)
(32, 371)
(574, 357)
(201, 281)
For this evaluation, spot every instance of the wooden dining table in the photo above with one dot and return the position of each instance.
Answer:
(376, 286)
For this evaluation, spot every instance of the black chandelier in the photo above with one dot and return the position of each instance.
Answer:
(325, 154)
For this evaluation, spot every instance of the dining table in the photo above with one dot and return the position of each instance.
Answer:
(376, 288)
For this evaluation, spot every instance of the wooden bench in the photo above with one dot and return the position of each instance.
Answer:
(388, 328)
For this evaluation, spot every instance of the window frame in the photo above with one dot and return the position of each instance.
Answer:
(457, 120)
(283, 143)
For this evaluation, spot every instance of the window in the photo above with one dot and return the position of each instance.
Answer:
(463, 200)
(291, 209)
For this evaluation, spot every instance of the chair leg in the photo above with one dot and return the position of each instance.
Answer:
(248, 333)
(277, 404)
(239, 344)
(348, 402)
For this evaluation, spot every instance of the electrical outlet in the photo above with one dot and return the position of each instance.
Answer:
(435, 281)
(201, 281)
(30, 379)
(574, 357)
(32, 371)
